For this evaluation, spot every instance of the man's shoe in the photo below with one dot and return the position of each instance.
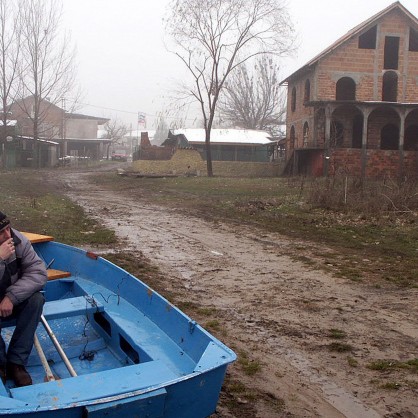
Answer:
(3, 374)
(18, 373)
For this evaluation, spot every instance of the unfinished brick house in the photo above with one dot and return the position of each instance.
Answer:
(353, 109)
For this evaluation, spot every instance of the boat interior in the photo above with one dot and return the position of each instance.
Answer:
(109, 335)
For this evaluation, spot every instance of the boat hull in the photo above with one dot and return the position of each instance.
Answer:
(135, 354)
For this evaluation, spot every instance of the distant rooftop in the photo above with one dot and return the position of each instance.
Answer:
(226, 136)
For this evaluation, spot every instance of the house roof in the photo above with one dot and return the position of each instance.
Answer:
(137, 133)
(80, 116)
(367, 24)
(45, 141)
(9, 123)
(226, 136)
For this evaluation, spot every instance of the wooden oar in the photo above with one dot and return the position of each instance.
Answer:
(49, 376)
(58, 347)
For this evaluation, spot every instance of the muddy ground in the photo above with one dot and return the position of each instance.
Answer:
(278, 310)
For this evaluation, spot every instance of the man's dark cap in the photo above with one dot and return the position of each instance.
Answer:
(4, 221)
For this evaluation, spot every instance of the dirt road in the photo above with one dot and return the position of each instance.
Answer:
(314, 335)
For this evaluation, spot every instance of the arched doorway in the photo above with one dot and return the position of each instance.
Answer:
(411, 138)
(389, 137)
(345, 89)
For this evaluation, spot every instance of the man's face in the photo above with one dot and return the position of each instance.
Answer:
(5, 234)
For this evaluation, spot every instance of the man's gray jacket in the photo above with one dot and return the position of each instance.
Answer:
(23, 273)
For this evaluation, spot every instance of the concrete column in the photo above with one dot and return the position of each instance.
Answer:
(328, 116)
(401, 143)
(366, 114)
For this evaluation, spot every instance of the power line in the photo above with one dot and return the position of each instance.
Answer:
(127, 111)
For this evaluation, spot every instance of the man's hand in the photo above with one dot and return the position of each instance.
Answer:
(6, 307)
(7, 248)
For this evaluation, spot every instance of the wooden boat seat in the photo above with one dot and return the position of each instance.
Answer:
(57, 274)
(35, 238)
(53, 274)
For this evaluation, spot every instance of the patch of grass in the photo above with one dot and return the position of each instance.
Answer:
(249, 366)
(391, 386)
(388, 365)
(305, 260)
(32, 205)
(310, 306)
(336, 334)
(206, 311)
(213, 325)
(382, 365)
(352, 362)
(339, 347)
(412, 364)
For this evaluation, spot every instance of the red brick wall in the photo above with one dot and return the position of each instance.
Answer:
(379, 163)
(361, 64)
(301, 114)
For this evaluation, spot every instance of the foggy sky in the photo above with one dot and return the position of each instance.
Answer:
(124, 67)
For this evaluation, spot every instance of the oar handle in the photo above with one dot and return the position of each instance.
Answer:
(58, 346)
(44, 361)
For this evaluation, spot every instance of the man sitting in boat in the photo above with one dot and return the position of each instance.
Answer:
(22, 275)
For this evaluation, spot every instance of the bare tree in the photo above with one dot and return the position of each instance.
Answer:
(161, 132)
(47, 72)
(213, 37)
(9, 59)
(115, 131)
(252, 98)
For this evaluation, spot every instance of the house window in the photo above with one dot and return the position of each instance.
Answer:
(357, 139)
(390, 86)
(292, 137)
(389, 137)
(293, 100)
(345, 89)
(305, 134)
(411, 138)
(368, 39)
(337, 134)
(413, 40)
(391, 53)
(307, 96)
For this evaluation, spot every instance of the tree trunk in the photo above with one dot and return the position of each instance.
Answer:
(208, 154)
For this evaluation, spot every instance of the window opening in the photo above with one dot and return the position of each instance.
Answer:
(345, 89)
(307, 97)
(292, 136)
(389, 137)
(368, 39)
(391, 53)
(293, 100)
(413, 40)
(390, 87)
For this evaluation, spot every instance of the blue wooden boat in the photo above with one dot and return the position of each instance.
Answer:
(110, 346)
